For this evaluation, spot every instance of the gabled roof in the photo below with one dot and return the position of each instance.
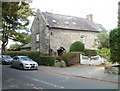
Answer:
(70, 22)
(26, 46)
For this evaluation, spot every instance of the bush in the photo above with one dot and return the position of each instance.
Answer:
(46, 60)
(77, 47)
(89, 52)
(34, 55)
(104, 52)
(57, 63)
(71, 58)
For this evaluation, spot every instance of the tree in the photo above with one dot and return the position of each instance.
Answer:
(114, 53)
(77, 47)
(119, 32)
(103, 39)
(15, 47)
(115, 41)
(14, 17)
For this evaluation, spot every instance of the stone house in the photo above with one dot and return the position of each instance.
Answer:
(53, 31)
(26, 47)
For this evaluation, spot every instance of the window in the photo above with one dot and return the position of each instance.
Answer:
(96, 41)
(15, 58)
(82, 38)
(51, 33)
(74, 23)
(37, 37)
(38, 49)
(54, 21)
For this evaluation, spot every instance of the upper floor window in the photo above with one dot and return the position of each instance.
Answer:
(38, 49)
(37, 37)
(96, 42)
(82, 38)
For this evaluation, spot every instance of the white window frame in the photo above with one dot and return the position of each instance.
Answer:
(82, 38)
(37, 37)
(38, 49)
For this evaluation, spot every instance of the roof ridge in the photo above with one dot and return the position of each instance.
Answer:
(65, 15)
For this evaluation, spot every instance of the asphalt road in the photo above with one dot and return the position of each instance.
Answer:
(34, 79)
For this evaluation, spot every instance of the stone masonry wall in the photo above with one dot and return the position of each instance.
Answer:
(65, 38)
(39, 26)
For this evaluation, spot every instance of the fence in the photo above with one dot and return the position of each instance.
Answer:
(93, 60)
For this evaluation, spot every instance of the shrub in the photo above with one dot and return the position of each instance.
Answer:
(89, 52)
(71, 58)
(104, 52)
(34, 55)
(57, 63)
(77, 47)
(46, 60)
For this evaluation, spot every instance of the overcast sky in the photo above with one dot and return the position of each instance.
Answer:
(104, 11)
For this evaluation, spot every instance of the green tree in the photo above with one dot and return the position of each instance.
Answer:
(15, 47)
(77, 47)
(14, 17)
(115, 41)
(103, 40)
(119, 32)
(114, 53)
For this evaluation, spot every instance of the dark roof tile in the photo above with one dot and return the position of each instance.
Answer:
(70, 22)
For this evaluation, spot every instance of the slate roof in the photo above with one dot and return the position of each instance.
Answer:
(26, 46)
(70, 22)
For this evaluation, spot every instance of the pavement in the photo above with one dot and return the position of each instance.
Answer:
(83, 71)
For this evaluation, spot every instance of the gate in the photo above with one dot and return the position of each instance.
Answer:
(93, 60)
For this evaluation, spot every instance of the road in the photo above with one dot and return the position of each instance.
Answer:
(35, 79)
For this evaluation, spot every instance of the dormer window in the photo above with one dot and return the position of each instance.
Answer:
(66, 23)
(74, 23)
(54, 21)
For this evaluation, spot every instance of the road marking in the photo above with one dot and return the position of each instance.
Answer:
(64, 79)
(9, 80)
(44, 82)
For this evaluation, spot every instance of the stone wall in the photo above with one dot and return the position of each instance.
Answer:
(65, 38)
(40, 26)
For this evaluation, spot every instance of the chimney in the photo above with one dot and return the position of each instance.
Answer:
(89, 17)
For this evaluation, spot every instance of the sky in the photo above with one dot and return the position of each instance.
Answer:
(104, 11)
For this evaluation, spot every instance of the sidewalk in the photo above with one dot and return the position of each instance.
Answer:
(84, 71)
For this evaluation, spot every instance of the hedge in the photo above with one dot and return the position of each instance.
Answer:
(77, 47)
(89, 52)
(34, 55)
(46, 60)
(71, 58)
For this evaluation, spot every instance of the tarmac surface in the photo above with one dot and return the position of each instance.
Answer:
(83, 71)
